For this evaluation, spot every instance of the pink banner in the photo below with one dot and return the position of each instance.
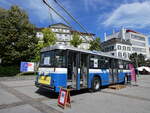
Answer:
(133, 74)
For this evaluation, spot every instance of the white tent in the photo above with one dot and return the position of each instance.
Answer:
(143, 67)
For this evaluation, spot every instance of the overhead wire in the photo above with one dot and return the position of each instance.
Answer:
(51, 17)
(44, 1)
(82, 27)
(71, 16)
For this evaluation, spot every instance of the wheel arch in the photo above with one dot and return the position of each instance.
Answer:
(97, 75)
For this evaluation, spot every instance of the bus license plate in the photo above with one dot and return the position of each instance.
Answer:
(44, 80)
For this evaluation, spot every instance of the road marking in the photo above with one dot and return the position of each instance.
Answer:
(36, 103)
(128, 96)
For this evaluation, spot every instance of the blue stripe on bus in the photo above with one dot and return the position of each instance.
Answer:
(60, 79)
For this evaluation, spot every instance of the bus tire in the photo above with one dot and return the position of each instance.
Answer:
(96, 84)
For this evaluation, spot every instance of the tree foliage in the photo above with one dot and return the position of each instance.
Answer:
(76, 40)
(37, 50)
(138, 59)
(16, 36)
(95, 44)
(148, 62)
(49, 37)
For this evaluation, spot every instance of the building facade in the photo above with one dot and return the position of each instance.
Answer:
(117, 47)
(139, 42)
(64, 34)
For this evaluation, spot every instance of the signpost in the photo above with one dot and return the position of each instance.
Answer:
(27, 66)
(64, 98)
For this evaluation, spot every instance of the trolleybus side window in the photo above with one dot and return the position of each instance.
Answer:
(107, 63)
(113, 63)
(126, 65)
(94, 62)
(103, 62)
(120, 64)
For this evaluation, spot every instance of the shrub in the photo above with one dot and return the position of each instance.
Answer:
(8, 70)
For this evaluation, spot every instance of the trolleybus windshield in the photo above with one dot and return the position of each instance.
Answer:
(54, 58)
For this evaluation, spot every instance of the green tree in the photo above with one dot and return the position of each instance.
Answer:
(148, 62)
(16, 36)
(137, 59)
(141, 60)
(95, 44)
(76, 40)
(37, 50)
(49, 37)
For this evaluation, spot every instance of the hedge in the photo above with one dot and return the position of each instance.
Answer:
(9, 70)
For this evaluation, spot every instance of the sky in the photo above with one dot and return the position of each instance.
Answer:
(97, 16)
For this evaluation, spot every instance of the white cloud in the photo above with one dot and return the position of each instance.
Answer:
(5, 3)
(36, 9)
(95, 4)
(133, 15)
(40, 11)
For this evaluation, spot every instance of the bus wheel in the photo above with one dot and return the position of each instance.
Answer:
(96, 84)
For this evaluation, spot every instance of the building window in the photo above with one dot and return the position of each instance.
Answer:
(119, 54)
(137, 37)
(56, 29)
(113, 54)
(59, 30)
(128, 55)
(52, 29)
(138, 43)
(119, 47)
(64, 30)
(111, 48)
(128, 48)
(39, 35)
(124, 55)
(124, 47)
(136, 49)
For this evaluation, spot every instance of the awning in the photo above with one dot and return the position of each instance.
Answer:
(143, 68)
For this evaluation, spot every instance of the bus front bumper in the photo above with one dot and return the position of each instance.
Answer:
(47, 87)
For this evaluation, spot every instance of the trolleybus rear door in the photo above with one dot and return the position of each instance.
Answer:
(113, 70)
(84, 70)
(72, 69)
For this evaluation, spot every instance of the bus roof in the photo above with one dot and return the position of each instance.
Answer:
(64, 47)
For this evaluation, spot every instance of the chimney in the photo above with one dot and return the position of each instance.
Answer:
(105, 36)
(123, 31)
(113, 31)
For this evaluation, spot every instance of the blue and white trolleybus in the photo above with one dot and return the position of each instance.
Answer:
(69, 67)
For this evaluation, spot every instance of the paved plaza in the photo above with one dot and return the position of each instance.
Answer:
(21, 96)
